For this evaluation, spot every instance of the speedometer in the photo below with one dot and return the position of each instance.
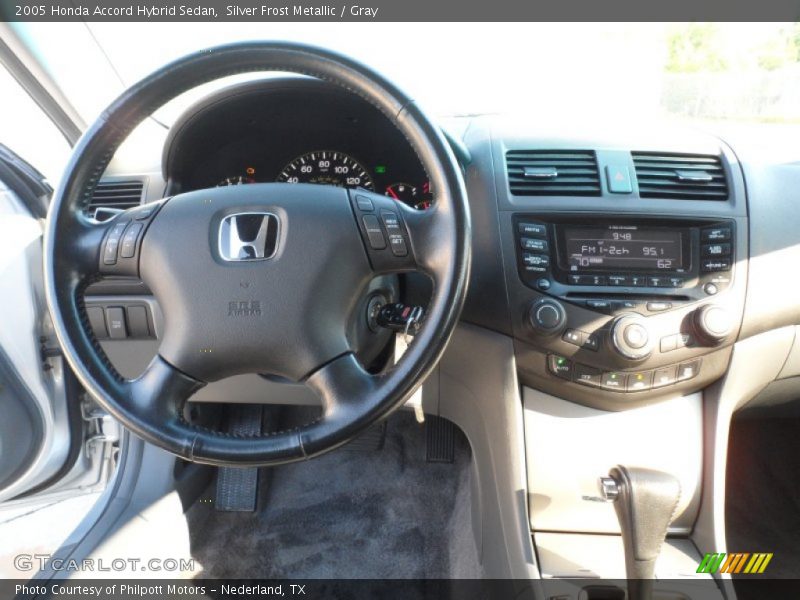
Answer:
(327, 167)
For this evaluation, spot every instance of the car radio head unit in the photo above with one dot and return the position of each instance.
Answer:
(624, 247)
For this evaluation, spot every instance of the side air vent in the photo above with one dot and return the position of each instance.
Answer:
(111, 196)
(680, 176)
(553, 173)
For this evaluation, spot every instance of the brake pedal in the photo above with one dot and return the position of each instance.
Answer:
(440, 438)
(237, 487)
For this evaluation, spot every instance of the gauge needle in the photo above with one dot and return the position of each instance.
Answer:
(392, 194)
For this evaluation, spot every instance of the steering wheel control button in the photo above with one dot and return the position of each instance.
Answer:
(398, 244)
(377, 241)
(618, 178)
(113, 239)
(665, 376)
(531, 229)
(364, 204)
(560, 366)
(534, 244)
(688, 370)
(547, 317)
(588, 376)
(128, 248)
(640, 381)
(614, 380)
(115, 320)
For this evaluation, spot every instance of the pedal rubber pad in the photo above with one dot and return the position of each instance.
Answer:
(440, 437)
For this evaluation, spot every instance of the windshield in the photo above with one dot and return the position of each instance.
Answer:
(735, 72)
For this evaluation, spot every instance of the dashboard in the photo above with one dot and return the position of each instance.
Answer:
(294, 130)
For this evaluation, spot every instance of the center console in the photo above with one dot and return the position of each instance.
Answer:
(619, 299)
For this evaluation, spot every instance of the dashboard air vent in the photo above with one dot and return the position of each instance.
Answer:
(116, 195)
(553, 173)
(680, 176)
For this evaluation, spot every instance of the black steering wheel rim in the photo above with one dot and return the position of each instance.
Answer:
(152, 405)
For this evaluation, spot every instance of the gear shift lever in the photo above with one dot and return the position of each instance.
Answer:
(645, 503)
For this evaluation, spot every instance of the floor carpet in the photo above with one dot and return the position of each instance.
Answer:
(349, 514)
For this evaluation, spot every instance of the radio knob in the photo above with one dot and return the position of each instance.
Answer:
(713, 323)
(631, 338)
(547, 317)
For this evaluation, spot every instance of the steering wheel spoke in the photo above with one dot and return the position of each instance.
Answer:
(397, 237)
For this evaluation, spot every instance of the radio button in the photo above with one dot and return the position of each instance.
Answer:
(676, 282)
(578, 279)
(597, 279)
(637, 280)
(717, 249)
(532, 229)
(533, 244)
(618, 280)
(657, 281)
(600, 305)
(716, 234)
(709, 266)
(535, 260)
(543, 284)
(627, 305)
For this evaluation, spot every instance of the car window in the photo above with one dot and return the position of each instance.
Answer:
(29, 132)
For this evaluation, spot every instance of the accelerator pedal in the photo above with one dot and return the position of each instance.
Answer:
(237, 487)
(440, 437)
(371, 440)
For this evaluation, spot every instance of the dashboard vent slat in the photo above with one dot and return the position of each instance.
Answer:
(116, 194)
(553, 173)
(680, 176)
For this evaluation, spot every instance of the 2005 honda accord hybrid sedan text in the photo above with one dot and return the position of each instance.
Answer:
(514, 304)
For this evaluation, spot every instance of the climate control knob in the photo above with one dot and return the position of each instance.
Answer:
(631, 338)
(713, 323)
(547, 317)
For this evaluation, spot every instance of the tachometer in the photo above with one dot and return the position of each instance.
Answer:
(327, 167)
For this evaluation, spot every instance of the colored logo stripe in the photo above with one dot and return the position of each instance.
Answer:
(735, 563)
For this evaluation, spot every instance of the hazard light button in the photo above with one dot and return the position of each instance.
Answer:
(618, 178)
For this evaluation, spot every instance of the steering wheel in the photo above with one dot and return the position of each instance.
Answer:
(261, 278)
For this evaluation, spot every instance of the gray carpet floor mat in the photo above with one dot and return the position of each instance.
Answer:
(763, 492)
(349, 514)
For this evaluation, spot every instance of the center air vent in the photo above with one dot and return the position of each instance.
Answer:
(116, 195)
(553, 173)
(680, 176)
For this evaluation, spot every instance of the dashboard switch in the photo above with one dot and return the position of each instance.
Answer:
(531, 229)
(588, 376)
(374, 232)
(618, 178)
(664, 376)
(533, 244)
(547, 317)
(364, 204)
(614, 381)
(688, 370)
(640, 381)
(137, 322)
(115, 319)
(560, 366)
(97, 320)
(573, 336)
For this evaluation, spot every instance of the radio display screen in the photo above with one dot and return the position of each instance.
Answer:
(624, 247)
